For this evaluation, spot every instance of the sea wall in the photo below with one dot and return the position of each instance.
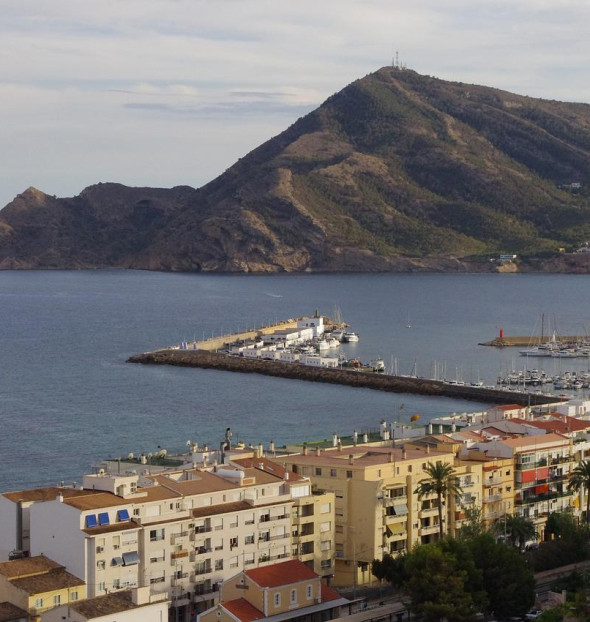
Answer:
(367, 380)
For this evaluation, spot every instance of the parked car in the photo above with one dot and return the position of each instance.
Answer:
(533, 614)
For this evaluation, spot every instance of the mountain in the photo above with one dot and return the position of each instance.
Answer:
(398, 171)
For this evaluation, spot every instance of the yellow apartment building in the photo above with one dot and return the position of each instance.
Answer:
(36, 584)
(376, 509)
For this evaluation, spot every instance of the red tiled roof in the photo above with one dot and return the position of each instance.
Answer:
(509, 407)
(243, 610)
(284, 573)
(329, 594)
(560, 424)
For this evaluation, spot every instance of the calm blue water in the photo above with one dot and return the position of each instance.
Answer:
(68, 399)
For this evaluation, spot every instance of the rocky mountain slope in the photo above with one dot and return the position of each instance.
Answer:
(397, 171)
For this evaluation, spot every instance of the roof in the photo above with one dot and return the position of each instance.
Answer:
(329, 594)
(97, 531)
(243, 610)
(96, 500)
(560, 424)
(509, 407)
(27, 566)
(10, 612)
(48, 493)
(362, 456)
(283, 573)
(212, 510)
(538, 441)
(268, 466)
(56, 579)
(109, 604)
(201, 482)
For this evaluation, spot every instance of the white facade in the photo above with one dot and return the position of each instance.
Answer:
(314, 360)
(316, 324)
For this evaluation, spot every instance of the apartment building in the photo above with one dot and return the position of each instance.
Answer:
(36, 584)
(542, 464)
(181, 532)
(376, 509)
(281, 592)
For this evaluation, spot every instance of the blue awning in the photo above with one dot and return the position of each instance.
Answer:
(123, 515)
(91, 520)
(103, 518)
(400, 510)
(117, 561)
(130, 559)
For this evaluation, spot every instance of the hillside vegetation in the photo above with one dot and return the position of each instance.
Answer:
(397, 171)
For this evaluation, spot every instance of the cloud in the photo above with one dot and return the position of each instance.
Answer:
(86, 83)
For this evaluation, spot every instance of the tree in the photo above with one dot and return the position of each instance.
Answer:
(442, 482)
(473, 524)
(580, 480)
(508, 581)
(435, 584)
(518, 528)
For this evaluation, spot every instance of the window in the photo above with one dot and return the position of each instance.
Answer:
(100, 564)
(136, 512)
(349, 474)
(102, 586)
(116, 584)
(116, 542)
(293, 597)
(378, 472)
(233, 542)
(277, 599)
(318, 471)
(249, 539)
(333, 473)
(73, 595)
(156, 534)
(325, 526)
(409, 468)
(38, 603)
(325, 508)
(218, 564)
(233, 562)
(309, 592)
(325, 546)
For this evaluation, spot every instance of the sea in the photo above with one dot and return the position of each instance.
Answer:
(69, 399)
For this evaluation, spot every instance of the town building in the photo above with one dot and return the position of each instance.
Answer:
(135, 605)
(376, 508)
(281, 592)
(36, 584)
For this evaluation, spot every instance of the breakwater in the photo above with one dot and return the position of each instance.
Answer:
(381, 382)
(529, 342)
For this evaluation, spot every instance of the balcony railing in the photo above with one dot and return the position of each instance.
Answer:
(202, 529)
(543, 497)
(491, 498)
(205, 570)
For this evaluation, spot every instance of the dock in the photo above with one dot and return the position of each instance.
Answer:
(529, 342)
(205, 359)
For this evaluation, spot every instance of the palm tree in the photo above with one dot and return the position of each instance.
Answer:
(580, 480)
(442, 482)
(519, 528)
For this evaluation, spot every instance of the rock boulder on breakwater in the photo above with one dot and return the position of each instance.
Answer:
(367, 380)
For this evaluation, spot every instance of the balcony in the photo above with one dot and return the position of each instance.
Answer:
(202, 529)
(180, 534)
(389, 502)
(203, 570)
(494, 481)
(178, 554)
(491, 498)
(530, 499)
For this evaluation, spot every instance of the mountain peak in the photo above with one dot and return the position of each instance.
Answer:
(397, 171)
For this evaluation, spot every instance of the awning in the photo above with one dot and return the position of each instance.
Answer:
(103, 518)
(91, 521)
(394, 529)
(130, 559)
(117, 561)
(539, 490)
(400, 510)
(122, 515)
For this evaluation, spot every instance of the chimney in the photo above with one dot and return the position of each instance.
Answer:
(305, 450)
(286, 476)
(318, 451)
(351, 459)
(260, 450)
(60, 497)
(391, 456)
(339, 445)
(427, 449)
(271, 447)
(404, 453)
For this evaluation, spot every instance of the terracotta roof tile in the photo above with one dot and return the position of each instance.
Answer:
(243, 610)
(10, 613)
(329, 594)
(27, 566)
(126, 526)
(49, 493)
(56, 579)
(106, 605)
(283, 573)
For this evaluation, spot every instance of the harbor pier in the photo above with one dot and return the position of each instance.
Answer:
(382, 382)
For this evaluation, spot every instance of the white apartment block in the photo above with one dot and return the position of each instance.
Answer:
(179, 532)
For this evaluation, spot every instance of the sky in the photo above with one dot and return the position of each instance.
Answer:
(172, 92)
